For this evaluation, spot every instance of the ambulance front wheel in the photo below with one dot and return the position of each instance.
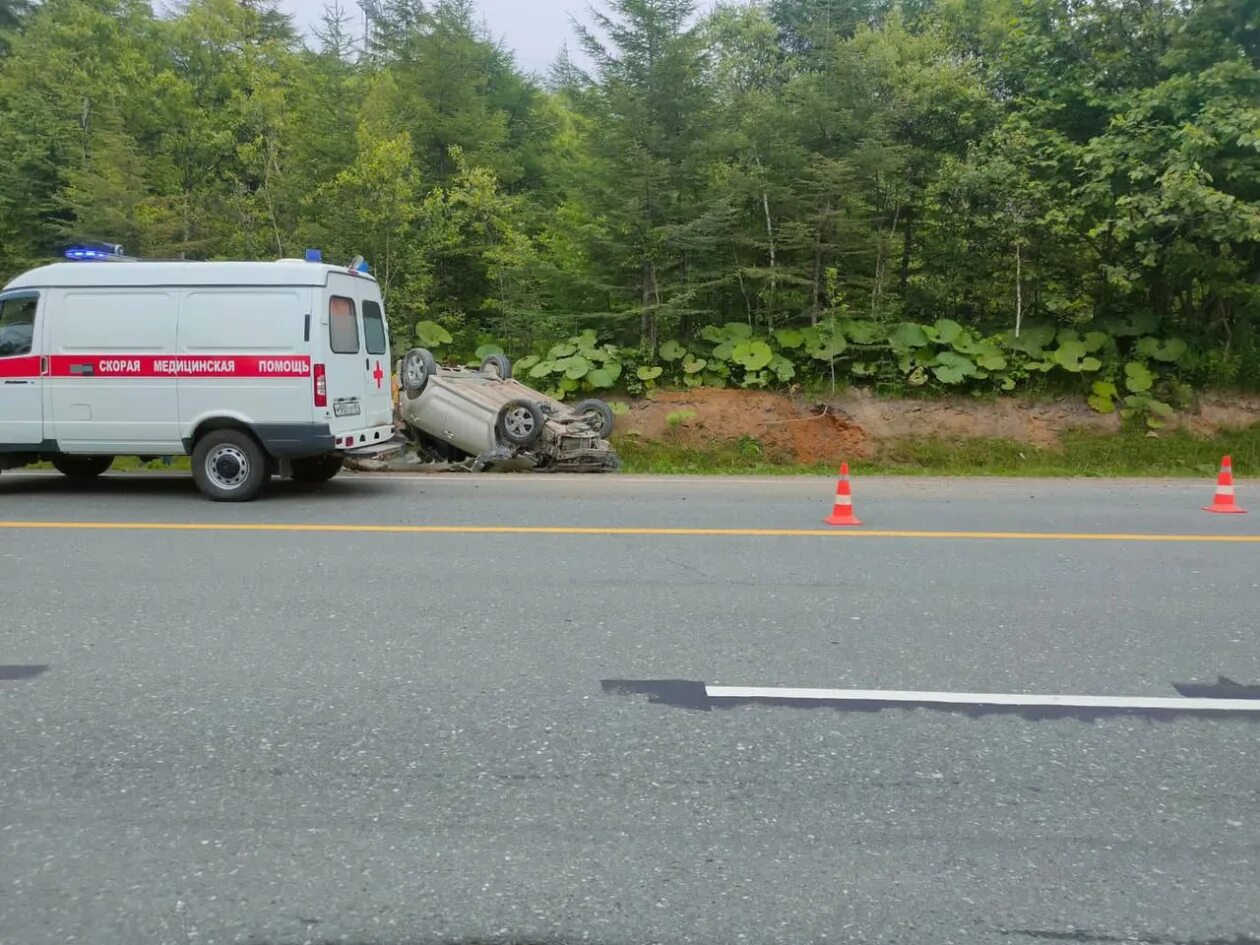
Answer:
(81, 467)
(229, 466)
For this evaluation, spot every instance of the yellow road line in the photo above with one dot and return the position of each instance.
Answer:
(617, 531)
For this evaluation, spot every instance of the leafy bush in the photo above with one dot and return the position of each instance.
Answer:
(579, 363)
(1122, 368)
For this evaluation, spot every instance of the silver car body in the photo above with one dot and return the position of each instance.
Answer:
(461, 407)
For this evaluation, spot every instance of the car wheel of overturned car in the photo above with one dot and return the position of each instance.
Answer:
(81, 467)
(520, 422)
(312, 470)
(598, 416)
(498, 363)
(418, 366)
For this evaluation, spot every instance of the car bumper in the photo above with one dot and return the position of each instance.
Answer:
(292, 440)
(382, 449)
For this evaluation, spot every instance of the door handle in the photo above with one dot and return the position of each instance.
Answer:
(367, 364)
(19, 381)
(80, 369)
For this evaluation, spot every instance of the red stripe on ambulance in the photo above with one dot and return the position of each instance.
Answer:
(231, 365)
(23, 367)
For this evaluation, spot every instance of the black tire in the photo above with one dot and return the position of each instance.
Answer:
(520, 422)
(230, 466)
(314, 470)
(418, 366)
(598, 416)
(81, 467)
(498, 363)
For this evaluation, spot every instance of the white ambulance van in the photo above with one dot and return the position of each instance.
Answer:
(252, 368)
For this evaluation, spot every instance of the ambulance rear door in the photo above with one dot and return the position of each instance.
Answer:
(378, 404)
(21, 381)
(346, 359)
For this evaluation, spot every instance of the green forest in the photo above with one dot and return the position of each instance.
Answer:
(982, 195)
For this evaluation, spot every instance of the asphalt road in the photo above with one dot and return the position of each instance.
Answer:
(278, 736)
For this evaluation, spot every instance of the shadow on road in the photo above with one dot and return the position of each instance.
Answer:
(153, 485)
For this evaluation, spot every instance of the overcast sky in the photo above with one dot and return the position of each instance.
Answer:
(535, 29)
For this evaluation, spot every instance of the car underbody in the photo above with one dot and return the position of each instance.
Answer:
(483, 420)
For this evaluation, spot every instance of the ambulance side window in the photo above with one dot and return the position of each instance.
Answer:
(343, 326)
(17, 325)
(373, 328)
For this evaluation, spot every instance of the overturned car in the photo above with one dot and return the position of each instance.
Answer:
(485, 417)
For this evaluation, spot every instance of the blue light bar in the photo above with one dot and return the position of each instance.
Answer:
(314, 256)
(95, 251)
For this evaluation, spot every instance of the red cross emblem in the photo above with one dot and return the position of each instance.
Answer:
(378, 374)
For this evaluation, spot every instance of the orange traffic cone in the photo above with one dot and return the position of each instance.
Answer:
(842, 513)
(1223, 501)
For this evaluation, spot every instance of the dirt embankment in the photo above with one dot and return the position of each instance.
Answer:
(853, 424)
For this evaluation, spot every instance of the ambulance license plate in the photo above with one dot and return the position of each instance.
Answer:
(349, 408)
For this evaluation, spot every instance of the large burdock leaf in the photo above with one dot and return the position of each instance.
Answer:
(432, 335)
(783, 369)
(1032, 340)
(672, 350)
(1138, 377)
(543, 368)
(1103, 399)
(1069, 353)
(908, 335)
(752, 355)
(577, 367)
(953, 368)
(789, 337)
(828, 345)
(947, 330)
(863, 332)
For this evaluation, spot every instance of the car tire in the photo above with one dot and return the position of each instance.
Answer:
(520, 422)
(598, 416)
(417, 367)
(315, 470)
(499, 363)
(81, 467)
(230, 466)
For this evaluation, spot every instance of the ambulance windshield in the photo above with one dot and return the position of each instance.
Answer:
(17, 325)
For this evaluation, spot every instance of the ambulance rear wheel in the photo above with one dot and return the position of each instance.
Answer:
(81, 467)
(313, 470)
(229, 466)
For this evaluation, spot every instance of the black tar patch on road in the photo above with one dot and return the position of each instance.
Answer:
(692, 694)
(1223, 688)
(20, 672)
(680, 693)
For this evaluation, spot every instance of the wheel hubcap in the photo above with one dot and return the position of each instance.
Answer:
(519, 422)
(415, 372)
(227, 467)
